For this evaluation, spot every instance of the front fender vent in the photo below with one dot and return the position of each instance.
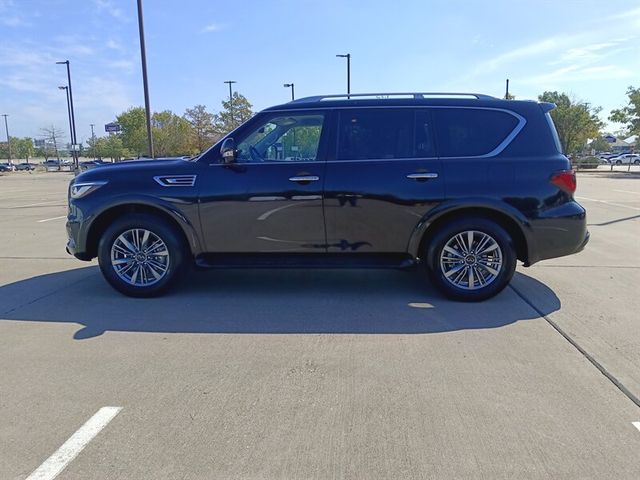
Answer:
(176, 180)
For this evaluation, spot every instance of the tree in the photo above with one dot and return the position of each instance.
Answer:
(171, 134)
(629, 115)
(24, 148)
(134, 130)
(575, 120)
(202, 127)
(599, 144)
(233, 114)
(52, 138)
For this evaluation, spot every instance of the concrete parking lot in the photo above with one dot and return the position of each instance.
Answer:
(321, 374)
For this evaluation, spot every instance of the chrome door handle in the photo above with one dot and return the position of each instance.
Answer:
(304, 178)
(422, 176)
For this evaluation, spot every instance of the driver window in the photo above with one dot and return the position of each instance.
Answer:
(287, 138)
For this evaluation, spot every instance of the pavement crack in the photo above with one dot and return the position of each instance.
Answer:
(612, 378)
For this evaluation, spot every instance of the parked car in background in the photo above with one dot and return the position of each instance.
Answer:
(10, 166)
(51, 164)
(464, 184)
(88, 165)
(25, 166)
(625, 159)
(5, 168)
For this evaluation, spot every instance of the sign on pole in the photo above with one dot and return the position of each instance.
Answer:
(112, 127)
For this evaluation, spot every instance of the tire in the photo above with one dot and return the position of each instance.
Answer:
(636, 162)
(449, 269)
(618, 162)
(158, 267)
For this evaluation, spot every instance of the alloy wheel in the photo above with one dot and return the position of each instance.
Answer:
(471, 260)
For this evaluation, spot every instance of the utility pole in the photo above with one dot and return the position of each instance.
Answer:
(93, 141)
(145, 82)
(230, 82)
(6, 128)
(348, 57)
(73, 116)
(506, 95)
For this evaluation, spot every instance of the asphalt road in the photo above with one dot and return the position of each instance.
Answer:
(320, 374)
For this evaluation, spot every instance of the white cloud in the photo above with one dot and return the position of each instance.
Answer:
(212, 27)
(108, 7)
(14, 21)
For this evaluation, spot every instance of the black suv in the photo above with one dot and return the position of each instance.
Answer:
(463, 183)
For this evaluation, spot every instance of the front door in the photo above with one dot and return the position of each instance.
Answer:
(383, 179)
(270, 199)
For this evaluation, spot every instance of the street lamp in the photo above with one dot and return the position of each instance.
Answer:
(145, 82)
(71, 114)
(6, 128)
(230, 82)
(68, 112)
(348, 57)
(290, 85)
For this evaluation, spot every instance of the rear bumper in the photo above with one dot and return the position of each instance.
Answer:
(558, 232)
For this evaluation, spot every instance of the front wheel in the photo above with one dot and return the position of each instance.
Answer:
(471, 259)
(140, 255)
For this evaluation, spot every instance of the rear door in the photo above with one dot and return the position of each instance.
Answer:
(382, 178)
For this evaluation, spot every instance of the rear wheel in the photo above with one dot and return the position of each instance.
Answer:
(471, 259)
(141, 255)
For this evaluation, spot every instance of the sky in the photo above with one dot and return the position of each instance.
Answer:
(589, 49)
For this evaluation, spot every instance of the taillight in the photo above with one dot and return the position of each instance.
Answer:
(565, 181)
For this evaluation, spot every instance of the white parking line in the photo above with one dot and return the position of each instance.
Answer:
(70, 449)
(54, 218)
(636, 424)
(33, 204)
(627, 191)
(607, 203)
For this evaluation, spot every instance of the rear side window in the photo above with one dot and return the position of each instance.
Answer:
(466, 132)
(371, 134)
(375, 134)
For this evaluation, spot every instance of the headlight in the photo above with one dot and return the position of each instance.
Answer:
(79, 190)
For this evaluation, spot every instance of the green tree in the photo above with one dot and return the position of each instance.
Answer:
(599, 144)
(202, 127)
(629, 115)
(171, 134)
(134, 130)
(234, 112)
(113, 147)
(575, 120)
(24, 148)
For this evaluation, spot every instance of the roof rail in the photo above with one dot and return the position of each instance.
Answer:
(381, 96)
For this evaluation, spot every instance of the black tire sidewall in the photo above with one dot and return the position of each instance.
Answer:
(162, 229)
(489, 227)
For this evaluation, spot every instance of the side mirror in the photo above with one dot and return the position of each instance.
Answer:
(228, 150)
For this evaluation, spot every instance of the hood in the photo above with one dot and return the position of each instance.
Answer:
(106, 171)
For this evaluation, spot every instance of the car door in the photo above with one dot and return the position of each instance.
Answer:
(383, 179)
(270, 198)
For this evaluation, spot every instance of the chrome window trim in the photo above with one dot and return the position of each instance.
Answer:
(493, 153)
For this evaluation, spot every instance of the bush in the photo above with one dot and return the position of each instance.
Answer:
(586, 162)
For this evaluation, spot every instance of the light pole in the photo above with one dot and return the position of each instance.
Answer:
(93, 141)
(6, 128)
(506, 95)
(290, 85)
(71, 114)
(230, 82)
(145, 82)
(348, 57)
(68, 112)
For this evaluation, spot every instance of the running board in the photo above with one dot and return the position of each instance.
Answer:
(304, 260)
